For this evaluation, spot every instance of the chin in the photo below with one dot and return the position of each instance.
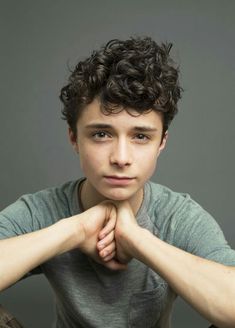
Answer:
(118, 198)
(117, 195)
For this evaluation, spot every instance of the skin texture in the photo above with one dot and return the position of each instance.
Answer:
(115, 145)
(107, 229)
(100, 217)
(207, 286)
(21, 254)
(118, 148)
(124, 147)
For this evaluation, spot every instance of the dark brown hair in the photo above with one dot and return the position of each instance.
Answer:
(136, 73)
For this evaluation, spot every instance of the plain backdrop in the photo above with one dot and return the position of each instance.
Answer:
(41, 39)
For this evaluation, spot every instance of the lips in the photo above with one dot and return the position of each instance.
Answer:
(118, 177)
(118, 180)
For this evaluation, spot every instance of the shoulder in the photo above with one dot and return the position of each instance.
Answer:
(176, 212)
(59, 196)
(181, 221)
(165, 201)
(41, 208)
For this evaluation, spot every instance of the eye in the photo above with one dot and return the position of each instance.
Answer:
(142, 138)
(100, 135)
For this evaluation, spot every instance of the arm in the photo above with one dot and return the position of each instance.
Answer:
(208, 286)
(19, 255)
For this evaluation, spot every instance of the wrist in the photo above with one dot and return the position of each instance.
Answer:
(71, 232)
(132, 240)
(139, 238)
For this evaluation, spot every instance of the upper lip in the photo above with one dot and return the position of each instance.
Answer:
(117, 177)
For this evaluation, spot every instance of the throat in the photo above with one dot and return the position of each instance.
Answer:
(88, 197)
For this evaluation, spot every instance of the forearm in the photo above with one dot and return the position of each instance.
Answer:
(21, 254)
(208, 286)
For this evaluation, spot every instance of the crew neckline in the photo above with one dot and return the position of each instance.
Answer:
(142, 209)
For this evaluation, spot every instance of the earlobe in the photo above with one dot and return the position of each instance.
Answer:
(73, 140)
(163, 143)
(75, 147)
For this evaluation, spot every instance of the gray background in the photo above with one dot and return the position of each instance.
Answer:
(39, 39)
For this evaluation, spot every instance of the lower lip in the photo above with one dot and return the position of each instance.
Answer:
(118, 182)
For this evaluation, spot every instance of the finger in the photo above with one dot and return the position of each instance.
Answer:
(110, 222)
(109, 257)
(107, 250)
(115, 265)
(106, 240)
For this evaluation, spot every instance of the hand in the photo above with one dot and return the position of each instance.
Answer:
(126, 226)
(100, 217)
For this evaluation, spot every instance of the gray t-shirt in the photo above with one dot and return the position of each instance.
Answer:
(89, 295)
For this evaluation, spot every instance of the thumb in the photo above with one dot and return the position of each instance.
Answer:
(115, 265)
(110, 222)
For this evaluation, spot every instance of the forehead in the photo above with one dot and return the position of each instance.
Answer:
(92, 114)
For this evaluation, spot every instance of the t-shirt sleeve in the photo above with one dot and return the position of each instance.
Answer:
(197, 232)
(19, 218)
(183, 223)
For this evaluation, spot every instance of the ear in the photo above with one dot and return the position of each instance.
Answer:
(163, 143)
(73, 140)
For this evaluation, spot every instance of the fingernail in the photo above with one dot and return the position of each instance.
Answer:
(100, 245)
(104, 253)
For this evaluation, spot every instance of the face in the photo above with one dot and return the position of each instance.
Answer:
(118, 152)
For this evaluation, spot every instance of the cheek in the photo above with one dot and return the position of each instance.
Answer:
(151, 166)
(148, 163)
(89, 161)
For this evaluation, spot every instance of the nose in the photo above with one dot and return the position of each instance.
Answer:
(121, 153)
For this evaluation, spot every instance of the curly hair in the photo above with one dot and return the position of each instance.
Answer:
(133, 74)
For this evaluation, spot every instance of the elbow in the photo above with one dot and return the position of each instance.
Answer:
(231, 321)
(227, 321)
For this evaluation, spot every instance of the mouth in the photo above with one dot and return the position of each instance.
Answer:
(118, 180)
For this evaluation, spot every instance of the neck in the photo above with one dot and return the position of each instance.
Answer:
(89, 197)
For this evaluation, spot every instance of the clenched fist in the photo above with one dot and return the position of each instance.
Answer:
(126, 226)
(98, 234)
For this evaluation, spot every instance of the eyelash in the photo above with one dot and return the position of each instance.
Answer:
(145, 137)
(97, 136)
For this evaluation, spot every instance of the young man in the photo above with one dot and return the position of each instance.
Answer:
(117, 248)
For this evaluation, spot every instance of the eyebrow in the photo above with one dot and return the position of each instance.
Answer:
(142, 128)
